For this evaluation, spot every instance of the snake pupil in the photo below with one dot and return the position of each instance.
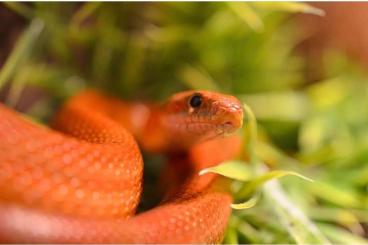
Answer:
(195, 100)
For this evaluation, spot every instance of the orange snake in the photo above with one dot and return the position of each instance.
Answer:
(81, 182)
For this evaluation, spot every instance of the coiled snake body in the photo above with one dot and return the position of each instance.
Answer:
(81, 183)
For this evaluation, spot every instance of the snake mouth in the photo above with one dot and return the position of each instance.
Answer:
(225, 129)
(228, 128)
(228, 124)
(232, 123)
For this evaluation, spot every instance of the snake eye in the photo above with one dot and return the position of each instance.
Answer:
(195, 101)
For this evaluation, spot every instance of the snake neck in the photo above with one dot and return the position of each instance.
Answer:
(155, 131)
(152, 133)
(143, 120)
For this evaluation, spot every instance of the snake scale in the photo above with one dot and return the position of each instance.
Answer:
(80, 181)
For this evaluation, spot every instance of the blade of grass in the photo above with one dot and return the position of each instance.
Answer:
(197, 79)
(20, 8)
(259, 181)
(294, 220)
(341, 236)
(337, 194)
(231, 234)
(21, 51)
(250, 136)
(134, 61)
(247, 14)
(287, 105)
(290, 7)
(16, 88)
(84, 12)
(338, 215)
(252, 234)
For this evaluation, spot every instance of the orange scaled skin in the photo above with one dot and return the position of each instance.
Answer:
(83, 184)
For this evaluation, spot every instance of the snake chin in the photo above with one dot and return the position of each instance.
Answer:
(222, 130)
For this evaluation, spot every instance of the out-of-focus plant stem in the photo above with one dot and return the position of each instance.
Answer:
(21, 51)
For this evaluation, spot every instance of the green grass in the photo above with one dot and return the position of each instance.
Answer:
(150, 50)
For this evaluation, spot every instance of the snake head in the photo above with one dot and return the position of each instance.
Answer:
(202, 115)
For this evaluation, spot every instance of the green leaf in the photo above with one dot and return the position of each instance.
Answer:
(248, 204)
(237, 170)
(279, 174)
(257, 182)
(291, 7)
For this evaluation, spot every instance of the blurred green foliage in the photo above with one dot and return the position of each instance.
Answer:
(125, 47)
(150, 50)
